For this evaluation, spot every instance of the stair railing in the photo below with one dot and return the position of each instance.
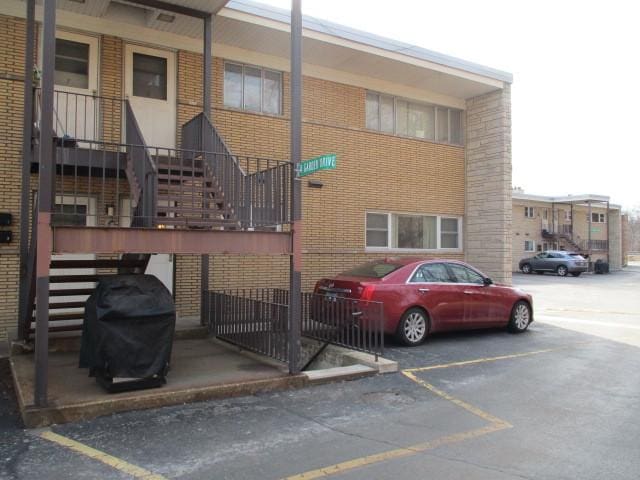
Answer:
(142, 172)
(256, 190)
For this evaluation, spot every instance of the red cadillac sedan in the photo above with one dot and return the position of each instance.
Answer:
(425, 296)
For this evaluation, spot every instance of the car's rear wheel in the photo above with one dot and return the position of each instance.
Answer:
(520, 317)
(526, 268)
(413, 327)
(562, 270)
(576, 274)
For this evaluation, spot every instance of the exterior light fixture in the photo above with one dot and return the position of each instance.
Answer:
(78, 1)
(315, 184)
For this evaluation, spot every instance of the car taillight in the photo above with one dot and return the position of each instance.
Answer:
(367, 293)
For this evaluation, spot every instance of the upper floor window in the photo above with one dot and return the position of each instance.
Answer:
(389, 114)
(528, 212)
(253, 89)
(597, 217)
(414, 232)
(149, 76)
(567, 215)
(71, 64)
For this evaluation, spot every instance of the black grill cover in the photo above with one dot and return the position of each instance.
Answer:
(128, 328)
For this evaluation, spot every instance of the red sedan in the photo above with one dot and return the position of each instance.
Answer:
(425, 296)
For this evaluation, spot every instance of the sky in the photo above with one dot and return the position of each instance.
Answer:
(575, 99)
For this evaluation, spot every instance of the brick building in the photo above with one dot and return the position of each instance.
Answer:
(423, 141)
(588, 224)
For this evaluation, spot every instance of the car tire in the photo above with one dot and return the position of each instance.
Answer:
(526, 268)
(575, 274)
(562, 271)
(413, 327)
(520, 317)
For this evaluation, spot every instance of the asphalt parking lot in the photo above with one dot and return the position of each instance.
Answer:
(560, 401)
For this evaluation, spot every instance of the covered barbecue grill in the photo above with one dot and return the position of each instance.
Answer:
(128, 332)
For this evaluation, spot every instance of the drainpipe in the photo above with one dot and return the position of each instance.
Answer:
(45, 204)
(27, 156)
(295, 260)
(589, 233)
(206, 108)
(607, 227)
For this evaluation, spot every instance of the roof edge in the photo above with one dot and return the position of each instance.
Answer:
(370, 39)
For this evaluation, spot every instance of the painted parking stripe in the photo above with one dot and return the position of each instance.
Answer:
(116, 463)
(495, 424)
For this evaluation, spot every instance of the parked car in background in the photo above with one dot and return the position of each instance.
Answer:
(424, 296)
(560, 262)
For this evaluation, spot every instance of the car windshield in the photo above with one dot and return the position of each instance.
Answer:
(376, 269)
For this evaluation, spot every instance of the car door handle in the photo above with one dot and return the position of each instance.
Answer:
(423, 290)
(469, 292)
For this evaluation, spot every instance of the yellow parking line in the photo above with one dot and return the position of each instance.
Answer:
(490, 359)
(81, 448)
(495, 424)
(394, 454)
(468, 407)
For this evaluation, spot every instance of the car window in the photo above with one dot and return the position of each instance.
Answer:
(376, 269)
(465, 275)
(431, 272)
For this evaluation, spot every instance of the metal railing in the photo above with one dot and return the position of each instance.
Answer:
(257, 319)
(256, 189)
(594, 245)
(84, 117)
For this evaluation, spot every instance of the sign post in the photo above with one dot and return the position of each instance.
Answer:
(323, 162)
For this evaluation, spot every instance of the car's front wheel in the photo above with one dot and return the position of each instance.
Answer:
(520, 317)
(562, 271)
(413, 327)
(526, 268)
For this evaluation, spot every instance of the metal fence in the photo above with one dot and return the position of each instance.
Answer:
(257, 319)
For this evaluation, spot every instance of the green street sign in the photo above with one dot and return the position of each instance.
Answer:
(323, 162)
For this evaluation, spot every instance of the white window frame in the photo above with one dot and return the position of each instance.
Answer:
(244, 66)
(529, 212)
(601, 217)
(532, 243)
(415, 102)
(390, 248)
(567, 215)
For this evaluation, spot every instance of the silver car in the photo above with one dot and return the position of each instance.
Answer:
(560, 262)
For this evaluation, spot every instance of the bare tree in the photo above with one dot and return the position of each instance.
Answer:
(634, 229)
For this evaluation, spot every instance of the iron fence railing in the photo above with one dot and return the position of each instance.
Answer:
(257, 319)
(594, 245)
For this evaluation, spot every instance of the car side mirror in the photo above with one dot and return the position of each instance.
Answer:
(487, 281)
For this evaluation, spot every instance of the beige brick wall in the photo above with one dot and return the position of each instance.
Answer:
(12, 40)
(488, 184)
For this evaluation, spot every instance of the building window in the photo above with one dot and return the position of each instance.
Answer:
(529, 246)
(412, 232)
(377, 230)
(567, 215)
(253, 89)
(71, 64)
(597, 218)
(528, 212)
(388, 114)
(149, 76)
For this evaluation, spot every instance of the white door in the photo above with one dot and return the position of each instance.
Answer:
(150, 86)
(161, 264)
(76, 82)
(74, 211)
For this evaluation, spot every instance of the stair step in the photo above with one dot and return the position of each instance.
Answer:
(74, 278)
(186, 190)
(98, 263)
(60, 305)
(185, 221)
(61, 328)
(59, 317)
(70, 292)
